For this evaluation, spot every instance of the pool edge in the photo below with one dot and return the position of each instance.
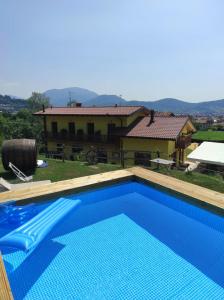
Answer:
(206, 198)
(5, 290)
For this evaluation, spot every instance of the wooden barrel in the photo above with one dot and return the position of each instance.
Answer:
(21, 152)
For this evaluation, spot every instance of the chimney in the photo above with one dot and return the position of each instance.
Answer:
(43, 108)
(78, 104)
(152, 115)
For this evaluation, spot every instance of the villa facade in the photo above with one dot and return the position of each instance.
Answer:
(133, 133)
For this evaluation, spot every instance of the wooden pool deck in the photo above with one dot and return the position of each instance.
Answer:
(5, 290)
(191, 191)
(66, 186)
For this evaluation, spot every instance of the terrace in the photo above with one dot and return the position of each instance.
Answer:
(183, 141)
(97, 137)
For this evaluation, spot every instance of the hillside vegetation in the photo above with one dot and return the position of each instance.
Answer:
(11, 105)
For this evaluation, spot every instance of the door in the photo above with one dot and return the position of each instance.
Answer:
(110, 128)
(90, 129)
(54, 129)
(71, 128)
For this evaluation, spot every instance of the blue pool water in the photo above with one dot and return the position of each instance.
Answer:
(126, 241)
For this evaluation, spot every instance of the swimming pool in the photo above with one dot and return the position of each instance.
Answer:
(125, 241)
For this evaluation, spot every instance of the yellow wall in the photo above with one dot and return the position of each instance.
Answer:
(100, 122)
(188, 128)
(132, 145)
(81, 122)
(165, 147)
(133, 117)
(139, 144)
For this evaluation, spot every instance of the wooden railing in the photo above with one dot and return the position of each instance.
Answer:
(183, 141)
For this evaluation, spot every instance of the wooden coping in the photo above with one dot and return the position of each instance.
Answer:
(65, 186)
(5, 290)
(193, 191)
(82, 183)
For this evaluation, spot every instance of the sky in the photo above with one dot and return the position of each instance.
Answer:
(140, 49)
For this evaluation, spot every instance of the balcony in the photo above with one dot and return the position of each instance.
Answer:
(97, 138)
(183, 141)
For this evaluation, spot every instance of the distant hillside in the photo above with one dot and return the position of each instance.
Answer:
(106, 100)
(11, 105)
(167, 104)
(60, 97)
(182, 107)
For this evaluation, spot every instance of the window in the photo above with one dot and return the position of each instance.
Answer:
(54, 128)
(110, 128)
(71, 128)
(90, 129)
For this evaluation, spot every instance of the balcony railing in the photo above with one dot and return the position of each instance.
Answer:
(97, 138)
(183, 141)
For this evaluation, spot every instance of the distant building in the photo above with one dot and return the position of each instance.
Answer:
(133, 133)
(202, 123)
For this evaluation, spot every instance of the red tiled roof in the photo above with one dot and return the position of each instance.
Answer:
(90, 111)
(161, 128)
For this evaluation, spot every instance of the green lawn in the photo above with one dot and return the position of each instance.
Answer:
(211, 181)
(58, 170)
(209, 136)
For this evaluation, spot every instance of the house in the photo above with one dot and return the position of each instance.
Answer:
(202, 122)
(131, 133)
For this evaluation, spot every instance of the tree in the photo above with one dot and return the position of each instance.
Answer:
(37, 101)
(20, 125)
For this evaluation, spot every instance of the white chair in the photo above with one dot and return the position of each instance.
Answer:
(19, 173)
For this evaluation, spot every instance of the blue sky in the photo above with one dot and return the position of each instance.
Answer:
(140, 49)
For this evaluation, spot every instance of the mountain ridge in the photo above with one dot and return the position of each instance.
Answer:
(90, 98)
(63, 96)
(60, 97)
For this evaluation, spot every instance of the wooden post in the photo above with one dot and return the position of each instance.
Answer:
(63, 153)
(45, 136)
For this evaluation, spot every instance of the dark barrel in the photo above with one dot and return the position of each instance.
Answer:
(20, 152)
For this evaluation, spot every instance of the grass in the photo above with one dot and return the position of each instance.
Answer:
(57, 170)
(212, 181)
(209, 136)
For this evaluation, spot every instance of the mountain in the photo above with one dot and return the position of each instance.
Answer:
(60, 97)
(182, 107)
(106, 100)
(167, 104)
(11, 105)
